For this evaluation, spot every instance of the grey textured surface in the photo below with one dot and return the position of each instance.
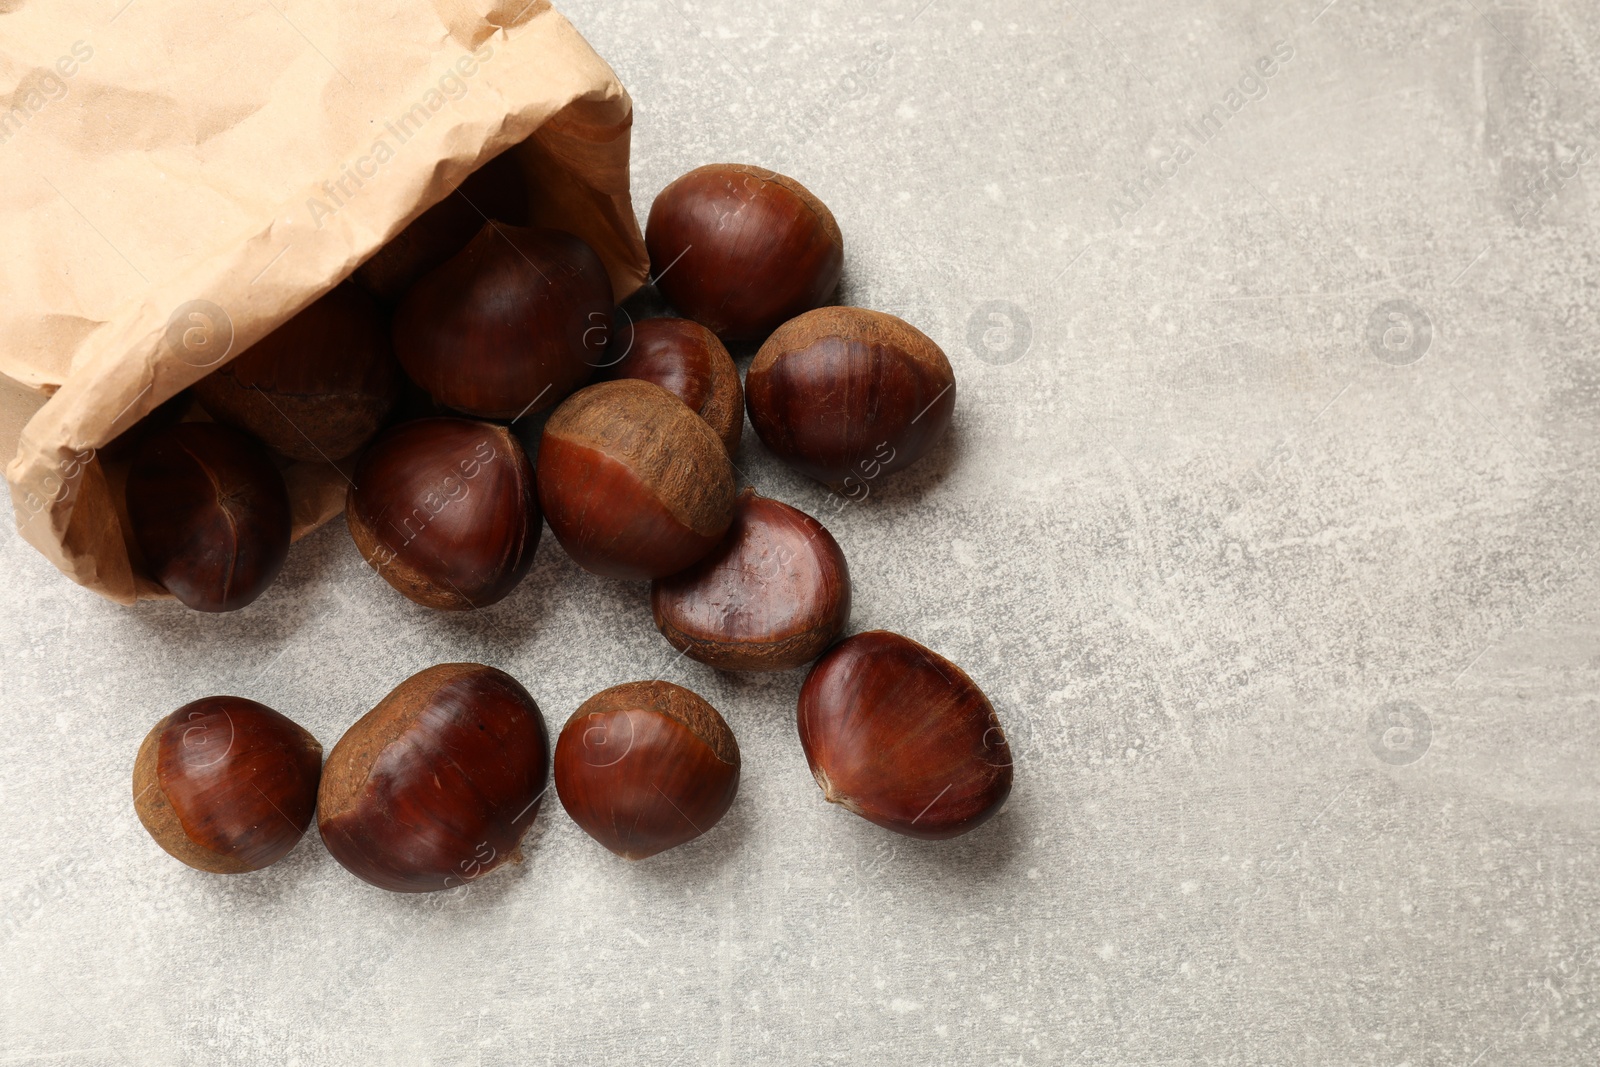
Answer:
(1269, 523)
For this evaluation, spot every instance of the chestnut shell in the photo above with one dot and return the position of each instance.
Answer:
(770, 597)
(741, 249)
(633, 483)
(316, 388)
(497, 190)
(210, 514)
(687, 360)
(446, 510)
(510, 324)
(845, 395)
(646, 766)
(436, 785)
(227, 785)
(902, 737)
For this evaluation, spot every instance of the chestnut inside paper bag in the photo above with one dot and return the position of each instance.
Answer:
(181, 178)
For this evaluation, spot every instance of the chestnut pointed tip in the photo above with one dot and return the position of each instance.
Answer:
(834, 796)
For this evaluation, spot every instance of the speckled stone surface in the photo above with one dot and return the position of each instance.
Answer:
(1268, 522)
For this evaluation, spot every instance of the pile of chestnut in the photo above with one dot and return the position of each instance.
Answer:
(414, 371)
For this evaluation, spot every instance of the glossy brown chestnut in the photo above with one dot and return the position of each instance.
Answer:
(316, 388)
(742, 249)
(210, 514)
(687, 360)
(227, 785)
(436, 785)
(497, 190)
(633, 483)
(902, 737)
(845, 395)
(446, 511)
(770, 597)
(511, 324)
(646, 766)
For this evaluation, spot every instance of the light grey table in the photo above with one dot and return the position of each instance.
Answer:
(1268, 522)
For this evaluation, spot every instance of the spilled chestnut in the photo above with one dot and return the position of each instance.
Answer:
(845, 394)
(510, 324)
(210, 514)
(645, 767)
(902, 737)
(687, 360)
(316, 388)
(633, 484)
(436, 785)
(497, 190)
(446, 511)
(741, 249)
(227, 785)
(770, 597)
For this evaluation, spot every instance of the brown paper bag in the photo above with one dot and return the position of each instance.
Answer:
(180, 177)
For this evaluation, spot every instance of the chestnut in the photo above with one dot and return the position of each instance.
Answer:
(771, 596)
(646, 766)
(497, 190)
(633, 483)
(316, 388)
(510, 324)
(226, 785)
(210, 514)
(902, 737)
(845, 394)
(741, 249)
(445, 509)
(687, 360)
(436, 785)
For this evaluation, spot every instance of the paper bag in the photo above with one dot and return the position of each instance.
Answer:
(180, 177)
